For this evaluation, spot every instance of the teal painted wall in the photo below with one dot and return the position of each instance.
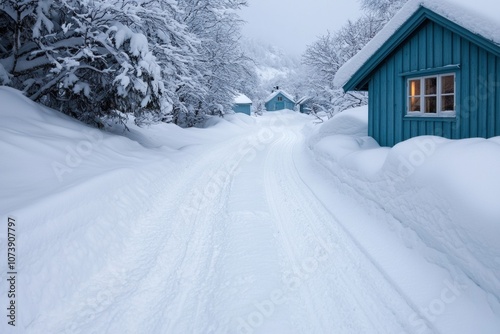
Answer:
(477, 88)
(305, 108)
(243, 108)
(275, 105)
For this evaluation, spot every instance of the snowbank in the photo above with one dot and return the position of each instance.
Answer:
(446, 191)
(45, 152)
(79, 194)
(351, 122)
(72, 190)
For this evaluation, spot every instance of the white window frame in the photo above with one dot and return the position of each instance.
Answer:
(439, 95)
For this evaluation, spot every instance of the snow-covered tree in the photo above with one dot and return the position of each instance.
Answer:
(175, 50)
(384, 9)
(221, 62)
(85, 58)
(273, 68)
(159, 60)
(327, 54)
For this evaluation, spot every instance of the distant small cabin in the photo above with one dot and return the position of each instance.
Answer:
(433, 70)
(242, 104)
(279, 100)
(304, 105)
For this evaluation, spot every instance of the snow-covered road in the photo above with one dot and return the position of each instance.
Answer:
(240, 227)
(238, 243)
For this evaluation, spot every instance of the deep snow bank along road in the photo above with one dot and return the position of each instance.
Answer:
(237, 244)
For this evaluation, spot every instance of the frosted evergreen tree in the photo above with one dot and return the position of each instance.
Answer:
(162, 60)
(176, 51)
(77, 56)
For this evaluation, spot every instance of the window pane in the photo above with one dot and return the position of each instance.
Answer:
(448, 103)
(430, 86)
(415, 87)
(415, 103)
(430, 104)
(448, 84)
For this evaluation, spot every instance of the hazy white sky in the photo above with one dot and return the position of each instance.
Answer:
(293, 24)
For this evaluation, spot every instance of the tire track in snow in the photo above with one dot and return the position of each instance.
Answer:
(191, 244)
(164, 280)
(292, 260)
(392, 288)
(182, 288)
(159, 266)
(356, 281)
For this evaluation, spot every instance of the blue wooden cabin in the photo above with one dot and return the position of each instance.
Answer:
(279, 100)
(242, 104)
(435, 75)
(305, 104)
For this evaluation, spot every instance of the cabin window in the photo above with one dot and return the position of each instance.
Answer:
(280, 98)
(432, 96)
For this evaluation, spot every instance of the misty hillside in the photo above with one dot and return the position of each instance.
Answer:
(273, 67)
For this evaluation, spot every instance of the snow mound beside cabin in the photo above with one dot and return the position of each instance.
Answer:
(446, 191)
(350, 122)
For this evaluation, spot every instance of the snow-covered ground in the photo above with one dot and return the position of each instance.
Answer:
(249, 225)
(440, 197)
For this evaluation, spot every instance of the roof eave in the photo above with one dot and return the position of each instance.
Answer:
(283, 93)
(359, 81)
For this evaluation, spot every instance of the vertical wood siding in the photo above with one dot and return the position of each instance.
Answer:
(275, 105)
(242, 108)
(477, 90)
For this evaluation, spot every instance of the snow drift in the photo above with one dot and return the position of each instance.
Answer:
(79, 194)
(446, 191)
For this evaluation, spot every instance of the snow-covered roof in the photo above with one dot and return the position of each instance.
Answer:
(242, 99)
(480, 17)
(304, 99)
(285, 94)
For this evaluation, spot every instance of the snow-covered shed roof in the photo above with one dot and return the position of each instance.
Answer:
(304, 99)
(242, 99)
(285, 94)
(480, 17)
